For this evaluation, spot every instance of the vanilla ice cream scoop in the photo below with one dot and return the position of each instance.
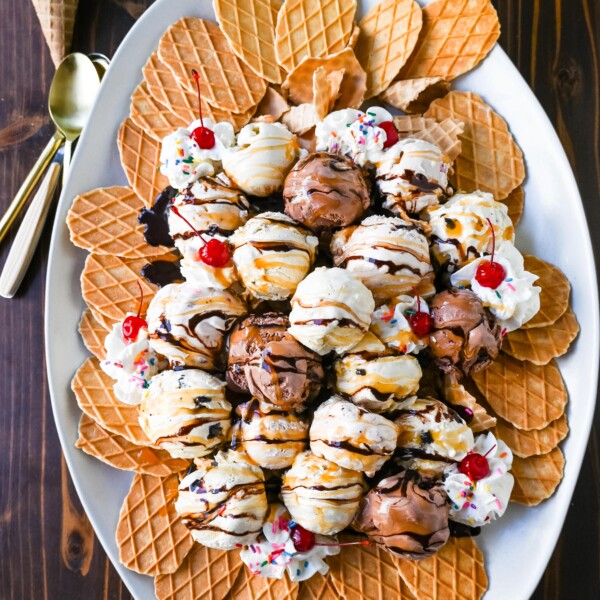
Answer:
(185, 412)
(377, 383)
(264, 154)
(460, 231)
(351, 436)
(273, 254)
(320, 495)
(331, 310)
(188, 323)
(272, 440)
(389, 255)
(223, 503)
(412, 175)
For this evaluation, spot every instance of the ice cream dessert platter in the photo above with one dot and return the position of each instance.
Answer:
(315, 340)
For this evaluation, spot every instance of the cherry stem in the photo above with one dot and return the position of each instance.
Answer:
(493, 238)
(141, 299)
(418, 303)
(485, 455)
(176, 211)
(363, 543)
(197, 79)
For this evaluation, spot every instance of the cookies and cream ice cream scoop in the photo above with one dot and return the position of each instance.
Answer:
(321, 496)
(331, 310)
(273, 254)
(389, 255)
(187, 323)
(223, 502)
(185, 412)
(351, 436)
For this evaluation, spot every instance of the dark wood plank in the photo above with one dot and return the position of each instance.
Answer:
(47, 547)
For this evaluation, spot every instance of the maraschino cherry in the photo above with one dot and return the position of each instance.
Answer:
(490, 274)
(203, 136)
(475, 466)
(305, 540)
(213, 253)
(133, 323)
(390, 132)
(420, 322)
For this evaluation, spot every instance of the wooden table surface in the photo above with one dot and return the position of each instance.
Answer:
(47, 547)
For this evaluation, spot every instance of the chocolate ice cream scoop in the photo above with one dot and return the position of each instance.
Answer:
(324, 190)
(266, 361)
(406, 514)
(465, 337)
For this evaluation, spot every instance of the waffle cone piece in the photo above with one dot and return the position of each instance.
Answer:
(249, 26)
(57, 18)
(164, 87)
(93, 334)
(251, 587)
(152, 539)
(490, 159)
(120, 453)
(300, 119)
(226, 81)
(93, 390)
(415, 95)
(103, 320)
(273, 105)
(312, 28)
(365, 573)
(140, 157)
(444, 134)
(204, 574)
(351, 89)
(537, 477)
(456, 394)
(388, 34)
(556, 289)
(318, 587)
(457, 571)
(527, 395)
(456, 36)
(532, 443)
(105, 221)
(540, 345)
(516, 204)
(109, 284)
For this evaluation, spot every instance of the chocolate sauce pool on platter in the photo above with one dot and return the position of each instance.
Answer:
(155, 219)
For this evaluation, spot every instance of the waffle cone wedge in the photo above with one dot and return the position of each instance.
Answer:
(93, 334)
(527, 395)
(318, 587)
(140, 157)
(532, 443)
(415, 95)
(93, 390)
(105, 221)
(490, 159)
(300, 119)
(456, 35)
(57, 18)
(351, 89)
(249, 26)
(388, 34)
(103, 320)
(110, 284)
(556, 289)
(164, 87)
(120, 453)
(312, 28)
(456, 394)
(365, 573)
(444, 134)
(226, 81)
(456, 571)
(253, 587)
(540, 345)
(151, 537)
(204, 574)
(516, 204)
(537, 477)
(273, 105)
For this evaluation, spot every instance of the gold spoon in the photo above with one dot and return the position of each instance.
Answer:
(72, 94)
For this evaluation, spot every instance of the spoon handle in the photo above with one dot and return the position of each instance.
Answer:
(27, 237)
(30, 181)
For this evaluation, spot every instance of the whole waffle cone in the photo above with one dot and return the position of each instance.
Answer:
(57, 18)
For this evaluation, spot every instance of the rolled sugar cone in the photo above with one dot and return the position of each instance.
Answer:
(57, 18)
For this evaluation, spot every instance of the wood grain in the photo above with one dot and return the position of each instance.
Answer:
(47, 547)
